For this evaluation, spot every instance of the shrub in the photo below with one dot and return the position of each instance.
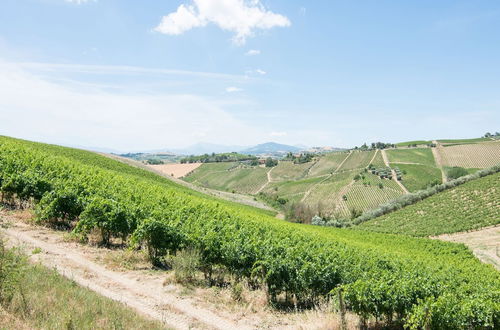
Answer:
(185, 264)
(158, 237)
(456, 172)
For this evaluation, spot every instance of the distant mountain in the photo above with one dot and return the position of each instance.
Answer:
(206, 148)
(270, 148)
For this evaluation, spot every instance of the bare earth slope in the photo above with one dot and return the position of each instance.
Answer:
(485, 243)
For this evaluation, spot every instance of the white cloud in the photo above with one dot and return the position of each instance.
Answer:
(79, 2)
(277, 134)
(233, 89)
(37, 108)
(259, 71)
(242, 17)
(253, 52)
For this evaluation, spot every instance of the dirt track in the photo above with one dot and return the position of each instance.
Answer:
(146, 294)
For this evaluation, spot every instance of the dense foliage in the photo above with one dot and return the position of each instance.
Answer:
(419, 282)
(217, 158)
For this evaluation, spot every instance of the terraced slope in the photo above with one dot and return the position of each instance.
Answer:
(472, 205)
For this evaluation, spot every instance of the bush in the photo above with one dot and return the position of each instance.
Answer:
(158, 237)
(185, 264)
(456, 172)
(108, 216)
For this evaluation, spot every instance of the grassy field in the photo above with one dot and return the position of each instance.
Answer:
(472, 205)
(421, 156)
(417, 177)
(357, 159)
(43, 299)
(479, 155)
(327, 164)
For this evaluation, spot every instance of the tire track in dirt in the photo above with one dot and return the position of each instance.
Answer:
(436, 152)
(150, 301)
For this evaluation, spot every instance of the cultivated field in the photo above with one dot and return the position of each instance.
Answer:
(327, 164)
(176, 170)
(472, 205)
(477, 155)
(357, 159)
(422, 156)
(418, 177)
(287, 170)
(424, 282)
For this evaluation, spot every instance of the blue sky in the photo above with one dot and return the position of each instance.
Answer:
(150, 74)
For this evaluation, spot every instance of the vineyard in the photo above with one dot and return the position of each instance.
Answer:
(418, 177)
(472, 205)
(478, 155)
(422, 156)
(327, 164)
(357, 159)
(420, 283)
(378, 161)
(287, 170)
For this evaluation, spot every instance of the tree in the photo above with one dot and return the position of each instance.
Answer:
(271, 162)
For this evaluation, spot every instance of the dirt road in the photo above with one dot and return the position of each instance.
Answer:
(436, 152)
(146, 294)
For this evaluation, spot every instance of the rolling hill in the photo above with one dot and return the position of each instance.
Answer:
(402, 280)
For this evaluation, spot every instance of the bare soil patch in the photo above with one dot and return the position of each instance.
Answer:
(176, 170)
(485, 243)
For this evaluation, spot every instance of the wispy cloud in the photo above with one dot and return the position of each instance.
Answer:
(32, 103)
(79, 2)
(117, 69)
(233, 89)
(278, 134)
(253, 52)
(261, 72)
(242, 17)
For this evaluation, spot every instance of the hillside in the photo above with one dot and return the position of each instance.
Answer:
(377, 275)
(470, 206)
(270, 148)
(336, 185)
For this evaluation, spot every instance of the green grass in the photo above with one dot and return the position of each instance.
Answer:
(421, 156)
(418, 142)
(472, 205)
(418, 177)
(43, 299)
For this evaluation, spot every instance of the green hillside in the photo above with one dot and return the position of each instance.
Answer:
(416, 282)
(472, 205)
